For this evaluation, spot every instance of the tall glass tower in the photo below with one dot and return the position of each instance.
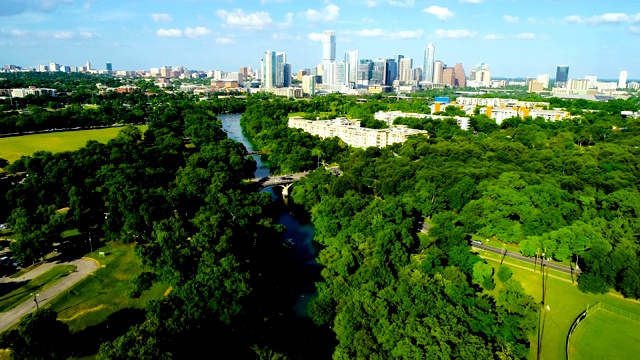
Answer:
(562, 75)
(329, 45)
(429, 53)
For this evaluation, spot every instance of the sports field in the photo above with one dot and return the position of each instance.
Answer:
(564, 299)
(12, 148)
(605, 335)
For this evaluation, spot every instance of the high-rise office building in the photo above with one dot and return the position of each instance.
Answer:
(398, 58)
(329, 45)
(286, 81)
(351, 58)
(109, 68)
(309, 84)
(54, 67)
(622, 80)
(342, 73)
(544, 79)
(405, 69)
(365, 66)
(378, 72)
(449, 76)
(281, 59)
(88, 66)
(562, 75)
(437, 72)
(391, 71)
(461, 77)
(593, 79)
(429, 53)
(269, 69)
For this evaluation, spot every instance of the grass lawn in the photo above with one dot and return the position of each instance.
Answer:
(604, 335)
(104, 292)
(566, 302)
(17, 296)
(12, 148)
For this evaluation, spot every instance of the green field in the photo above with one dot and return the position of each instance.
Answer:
(19, 295)
(605, 335)
(12, 148)
(566, 302)
(104, 292)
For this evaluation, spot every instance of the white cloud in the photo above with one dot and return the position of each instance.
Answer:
(263, 2)
(402, 34)
(62, 35)
(161, 17)
(511, 19)
(367, 20)
(86, 34)
(16, 32)
(532, 20)
(315, 36)
(196, 32)
(494, 37)
(402, 3)
(288, 21)
(406, 34)
(634, 30)
(189, 32)
(224, 41)
(525, 36)
(455, 34)
(471, 1)
(169, 32)
(238, 18)
(607, 18)
(328, 13)
(371, 3)
(439, 12)
(286, 37)
(370, 32)
(574, 19)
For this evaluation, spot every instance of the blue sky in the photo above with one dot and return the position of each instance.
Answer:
(517, 38)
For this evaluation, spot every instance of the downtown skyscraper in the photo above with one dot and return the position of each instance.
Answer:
(429, 54)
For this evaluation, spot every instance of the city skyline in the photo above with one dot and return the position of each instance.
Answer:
(591, 37)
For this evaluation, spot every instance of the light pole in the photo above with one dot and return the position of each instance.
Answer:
(90, 244)
(35, 299)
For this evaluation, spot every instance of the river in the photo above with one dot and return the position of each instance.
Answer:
(298, 233)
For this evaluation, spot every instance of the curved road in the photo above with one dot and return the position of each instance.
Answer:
(84, 268)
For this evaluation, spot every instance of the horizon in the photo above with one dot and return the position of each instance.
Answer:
(231, 34)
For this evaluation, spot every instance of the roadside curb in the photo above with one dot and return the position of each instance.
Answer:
(95, 261)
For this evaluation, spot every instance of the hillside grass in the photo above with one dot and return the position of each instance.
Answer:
(104, 292)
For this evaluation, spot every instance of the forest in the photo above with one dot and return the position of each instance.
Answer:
(388, 291)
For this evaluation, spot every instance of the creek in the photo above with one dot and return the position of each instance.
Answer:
(298, 234)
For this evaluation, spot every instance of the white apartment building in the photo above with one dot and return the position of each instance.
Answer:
(352, 134)
(499, 115)
(390, 116)
(20, 93)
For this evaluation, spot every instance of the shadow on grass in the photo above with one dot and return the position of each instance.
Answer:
(87, 342)
(8, 287)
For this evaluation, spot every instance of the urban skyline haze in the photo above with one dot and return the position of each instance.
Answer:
(517, 38)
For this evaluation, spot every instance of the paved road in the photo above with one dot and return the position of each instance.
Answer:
(551, 265)
(84, 268)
